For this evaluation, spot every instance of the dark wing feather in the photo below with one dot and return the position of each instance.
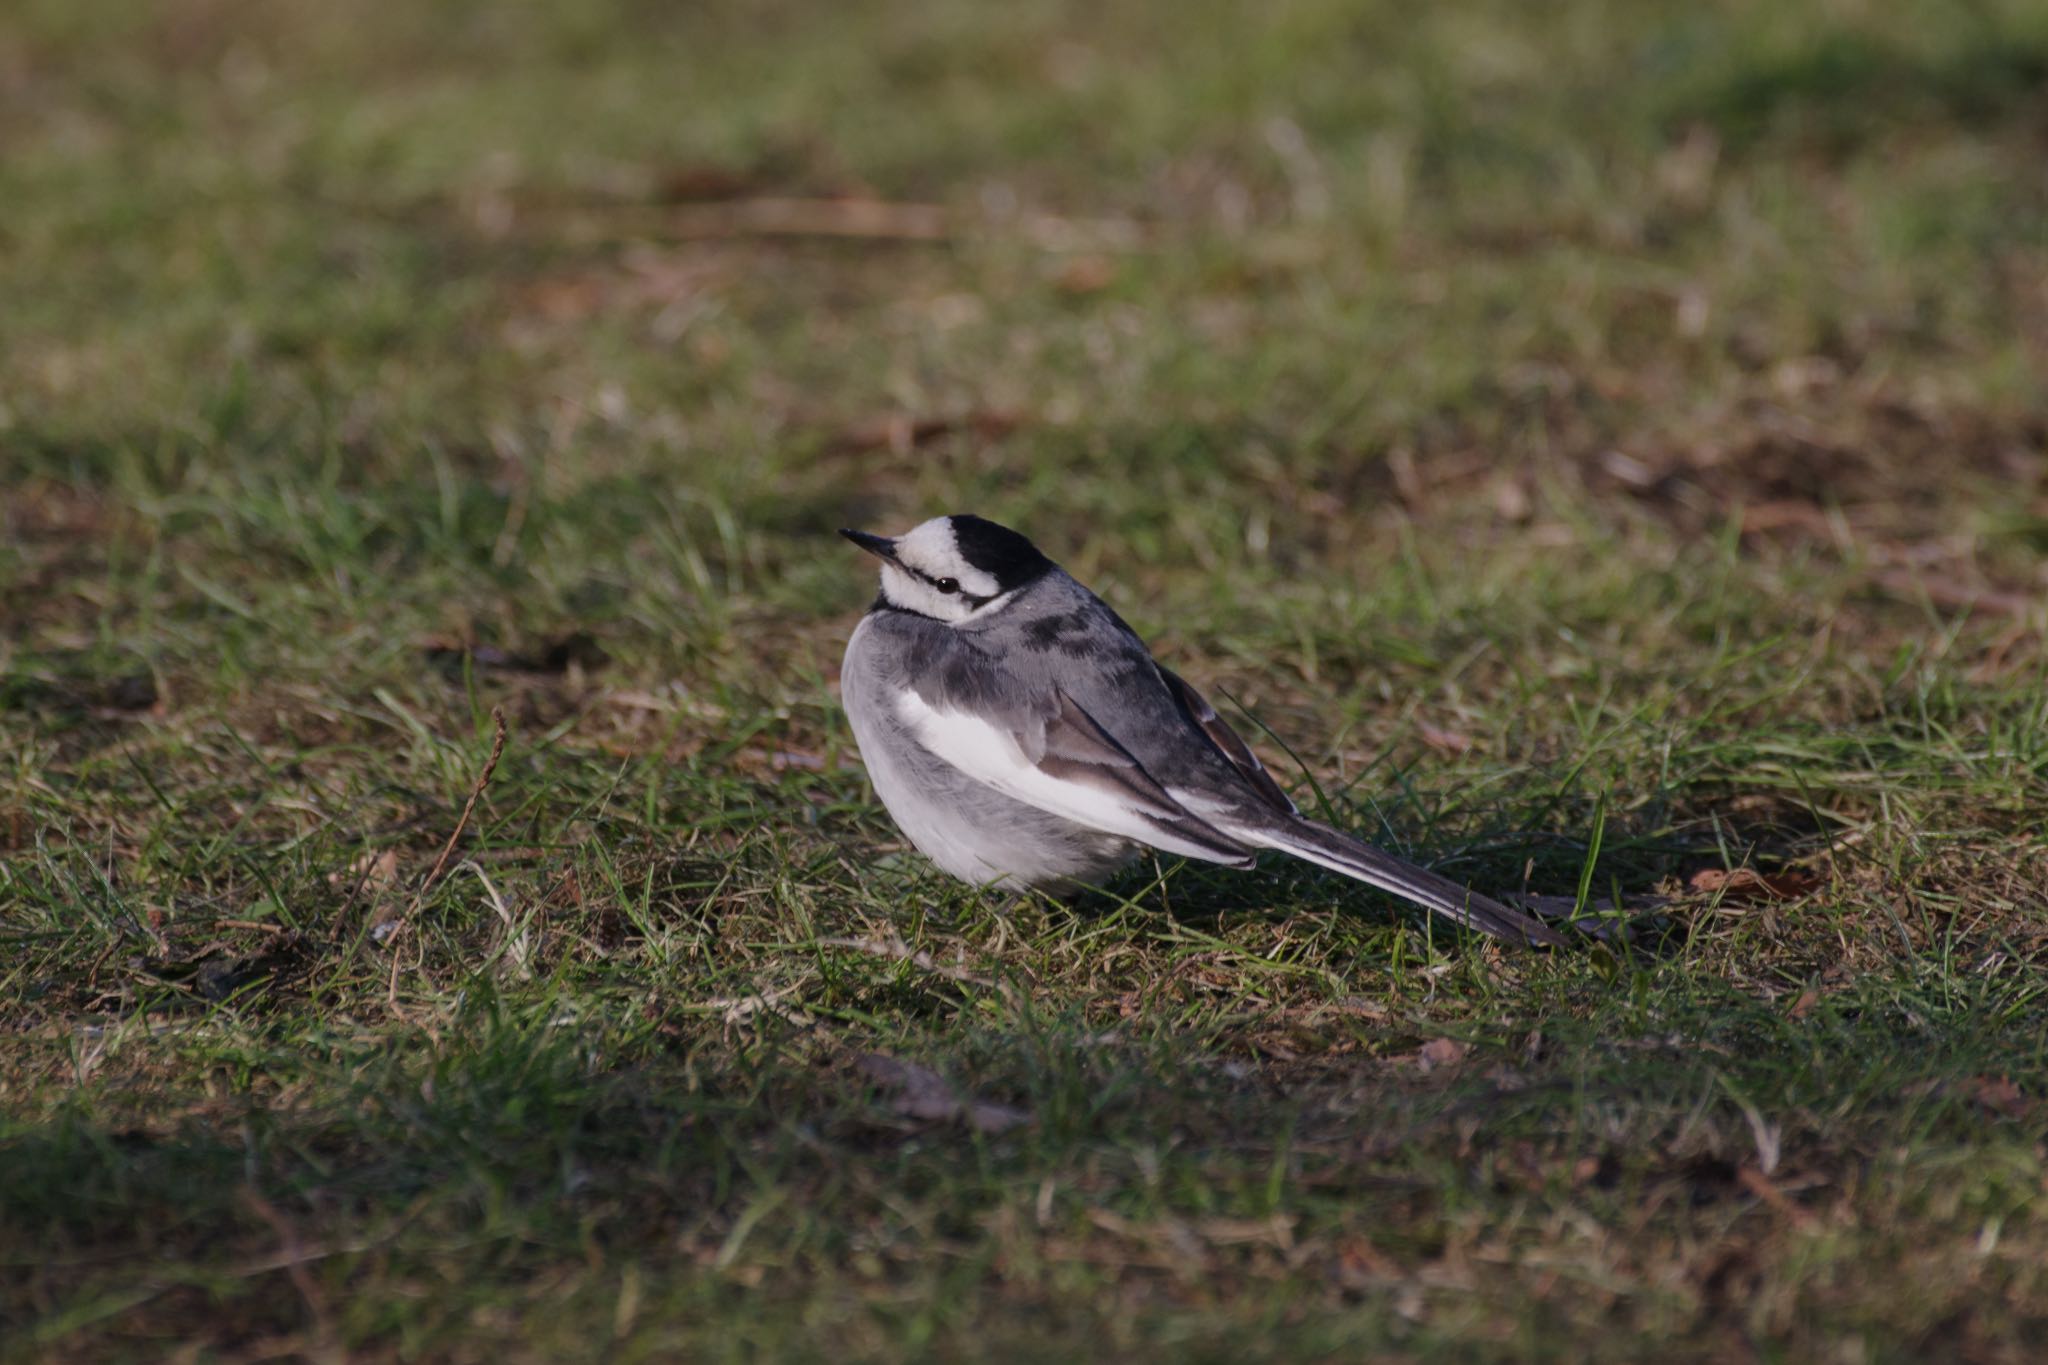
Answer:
(1205, 719)
(1079, 750)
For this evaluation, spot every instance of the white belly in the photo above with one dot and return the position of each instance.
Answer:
(979, 835)
(972, 831)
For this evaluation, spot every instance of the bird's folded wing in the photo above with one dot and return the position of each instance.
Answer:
(1226, 741)
(1040, 747)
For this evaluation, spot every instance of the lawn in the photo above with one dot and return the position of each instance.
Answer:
(1599, 449)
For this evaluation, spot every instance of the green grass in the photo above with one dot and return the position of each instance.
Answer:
(1602, 443)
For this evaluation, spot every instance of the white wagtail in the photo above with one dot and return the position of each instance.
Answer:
(1023, 736)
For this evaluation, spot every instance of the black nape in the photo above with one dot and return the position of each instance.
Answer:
(998, 551)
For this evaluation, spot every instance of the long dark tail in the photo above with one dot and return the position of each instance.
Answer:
(1325, 847)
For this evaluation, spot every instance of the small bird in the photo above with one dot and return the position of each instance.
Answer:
(1023, 736)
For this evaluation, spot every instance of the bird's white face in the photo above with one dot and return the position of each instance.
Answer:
(954, 569)
(931, 577)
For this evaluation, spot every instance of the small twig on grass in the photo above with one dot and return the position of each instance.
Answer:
(391, 989)
(1952, 594)
(92, 973)
(736, 1009)
(292, 1258)
(476, 790)
(1761, 1185)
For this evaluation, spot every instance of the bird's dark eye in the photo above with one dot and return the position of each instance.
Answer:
(947, 585)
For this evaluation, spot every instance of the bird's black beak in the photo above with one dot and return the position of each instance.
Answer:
(881, 547)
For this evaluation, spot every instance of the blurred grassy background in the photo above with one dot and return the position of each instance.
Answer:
(1605, 441)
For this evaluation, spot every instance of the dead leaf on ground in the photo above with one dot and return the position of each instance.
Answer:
(903, 433)
(706, 182)
(1788, 513)
(1746, 884)
(1440, 1052)
(854, 216)
(1089, 274)
(1274, 1230)
(1999, 1095)
(567, 891)
(922, 1093)
(1361, 1266)
(568, 300)
(370, 870)
(1446, 741)
(577, 649)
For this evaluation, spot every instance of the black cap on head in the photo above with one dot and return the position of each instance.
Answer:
(996, 550)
